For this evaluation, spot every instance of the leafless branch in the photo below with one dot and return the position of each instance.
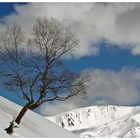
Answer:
(38, 71)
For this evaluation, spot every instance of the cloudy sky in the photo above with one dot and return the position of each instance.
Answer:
(109, 48)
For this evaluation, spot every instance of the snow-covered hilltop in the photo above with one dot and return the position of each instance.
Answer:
(101, 121)
(32, 125)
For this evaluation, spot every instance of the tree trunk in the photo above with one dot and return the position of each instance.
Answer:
(34, 106)
(22, 112)
(10, 128)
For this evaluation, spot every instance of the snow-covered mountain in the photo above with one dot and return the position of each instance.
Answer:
(101, 121)
(32, 125)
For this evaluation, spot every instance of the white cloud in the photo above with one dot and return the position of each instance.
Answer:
(115, 87)
(119, 23)
(106, 87)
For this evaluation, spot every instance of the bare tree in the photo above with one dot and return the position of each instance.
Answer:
(36, 73)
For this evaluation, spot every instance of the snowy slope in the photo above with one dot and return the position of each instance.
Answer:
(101, 121)
(32, 125)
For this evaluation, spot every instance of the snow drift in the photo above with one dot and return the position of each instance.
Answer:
(101, 121)
(32, 124)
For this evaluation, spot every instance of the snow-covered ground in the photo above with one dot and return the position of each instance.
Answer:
(93, 121)
(101, 121)
(32, 125)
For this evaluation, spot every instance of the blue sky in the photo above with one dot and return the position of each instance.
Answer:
(110, 56)
(7, 8)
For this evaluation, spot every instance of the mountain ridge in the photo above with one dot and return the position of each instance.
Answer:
(101, 121)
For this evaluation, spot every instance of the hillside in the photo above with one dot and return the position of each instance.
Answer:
(101, 121)
(32, 125)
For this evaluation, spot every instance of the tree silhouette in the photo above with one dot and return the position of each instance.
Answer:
(33, 67)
